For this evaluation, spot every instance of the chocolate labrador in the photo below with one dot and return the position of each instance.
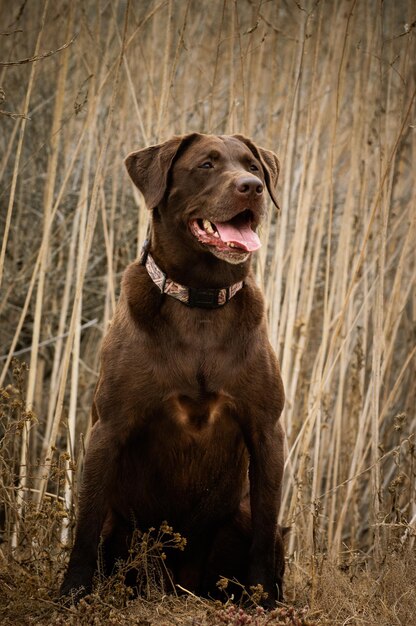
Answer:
(187, 405)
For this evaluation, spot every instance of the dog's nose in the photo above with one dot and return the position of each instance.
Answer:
(249, 185)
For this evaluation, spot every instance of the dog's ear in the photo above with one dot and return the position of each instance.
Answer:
(149, 168)
(270, 164)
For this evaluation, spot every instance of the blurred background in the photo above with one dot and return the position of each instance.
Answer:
(330, 87)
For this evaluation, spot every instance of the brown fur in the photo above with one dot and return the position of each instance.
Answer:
(187, 405)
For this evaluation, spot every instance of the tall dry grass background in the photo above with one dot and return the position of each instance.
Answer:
(330, 87)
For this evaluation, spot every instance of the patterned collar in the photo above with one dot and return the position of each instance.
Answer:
(201, 298)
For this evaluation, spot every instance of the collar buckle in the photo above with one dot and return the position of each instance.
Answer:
(204, 298)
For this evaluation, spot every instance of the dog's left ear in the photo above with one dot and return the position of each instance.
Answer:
(149, 167)
(270, 164)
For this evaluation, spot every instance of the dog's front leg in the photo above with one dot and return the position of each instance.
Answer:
(265, 472)
(93, 507)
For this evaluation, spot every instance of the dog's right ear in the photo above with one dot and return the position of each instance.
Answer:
(149, 167)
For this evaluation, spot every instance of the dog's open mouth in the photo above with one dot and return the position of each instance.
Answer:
(235, 237)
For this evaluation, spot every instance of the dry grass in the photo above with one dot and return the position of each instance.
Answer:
(330, 86)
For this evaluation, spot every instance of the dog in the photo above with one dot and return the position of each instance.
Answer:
(187, 405)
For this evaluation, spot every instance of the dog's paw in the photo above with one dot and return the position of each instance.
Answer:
(267, 593)
(75, 586)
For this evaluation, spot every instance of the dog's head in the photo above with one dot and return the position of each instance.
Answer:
(210, 189)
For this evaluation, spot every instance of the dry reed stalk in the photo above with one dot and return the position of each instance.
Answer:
(78, 240)
(8, 151)
(46, 234)
(290, 127)
(215, 70)
(164, 95)
(318, 393)
(34, 369)
(231, 116)
(20, 143)
(44, 258)
(243, 98)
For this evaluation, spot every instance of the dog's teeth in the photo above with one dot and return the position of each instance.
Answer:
(216, 234)
(231, 245)
(208, 227)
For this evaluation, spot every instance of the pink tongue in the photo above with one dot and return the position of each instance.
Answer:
(242, 236)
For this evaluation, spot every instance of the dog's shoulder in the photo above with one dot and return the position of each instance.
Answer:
(252, 303)
(140, 297)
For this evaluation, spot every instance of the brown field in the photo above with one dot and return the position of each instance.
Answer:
(330, 87)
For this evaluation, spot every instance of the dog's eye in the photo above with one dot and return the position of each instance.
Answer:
(253, 168)
(206, 165)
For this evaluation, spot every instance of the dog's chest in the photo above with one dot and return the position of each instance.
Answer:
(197, 352)
(197, 414)
(199, 367)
